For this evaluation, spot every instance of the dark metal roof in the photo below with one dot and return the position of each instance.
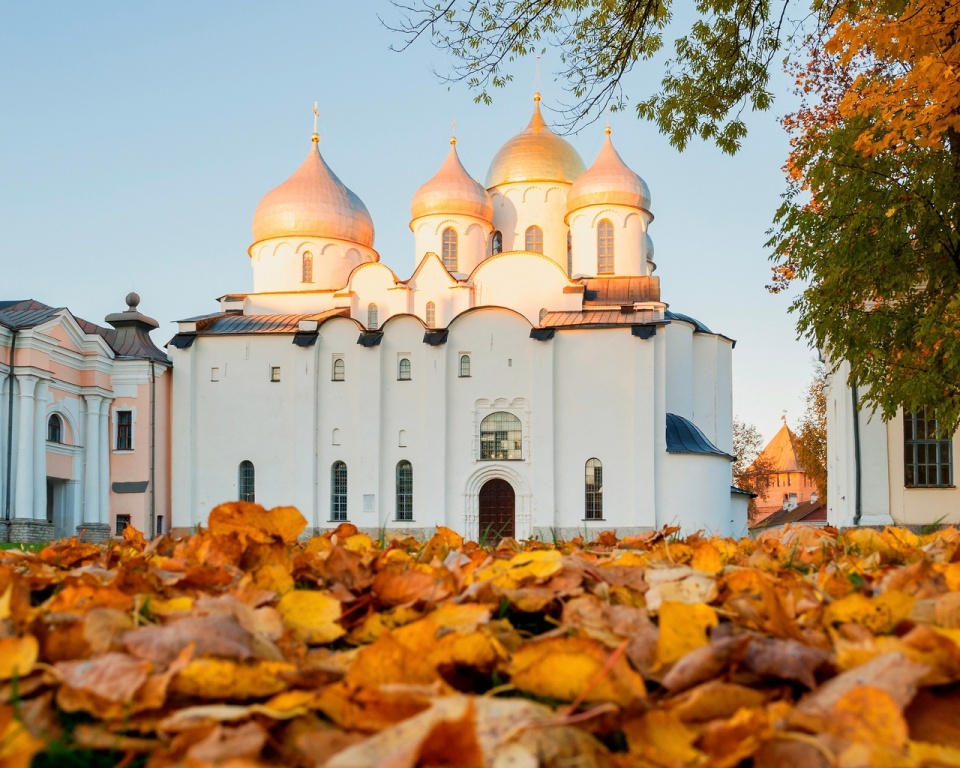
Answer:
(370, 338)
(183, 340)
(542, 334)
(228, 324)
(734, 491)
(599, 317)
(607, 291)
(26, 313)
(129, 338)
(644, 331)
(698, 326)
(683, 436)
(436, 337)
(305, 338)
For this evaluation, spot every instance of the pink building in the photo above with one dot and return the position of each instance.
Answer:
(84, 424)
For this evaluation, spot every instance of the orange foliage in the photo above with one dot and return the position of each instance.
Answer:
(244, 646)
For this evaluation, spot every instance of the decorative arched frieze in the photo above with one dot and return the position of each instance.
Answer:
(444, 224)
(629, 216)
(353, 254)
(479, 229)
(605, 213)
(332, 250)
(554, 191)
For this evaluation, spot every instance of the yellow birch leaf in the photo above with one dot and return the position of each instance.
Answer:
(231, 680)
(934, 754)
(5, 602)
(160, 607)
(312, 616)
(359, 543)
(868, 715)
(879, 614)
(17, 744)
(566, 667)
(17, 656)
(683, 628)
(662, 738)
(707, 559)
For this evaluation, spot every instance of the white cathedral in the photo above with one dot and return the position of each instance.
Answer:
(525, 380)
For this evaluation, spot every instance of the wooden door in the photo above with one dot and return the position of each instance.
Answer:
(497, 501)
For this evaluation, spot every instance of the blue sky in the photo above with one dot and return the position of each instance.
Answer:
(136, 140)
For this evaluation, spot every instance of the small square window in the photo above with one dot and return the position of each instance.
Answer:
(214, 374)
(122, 522)
(274, 373)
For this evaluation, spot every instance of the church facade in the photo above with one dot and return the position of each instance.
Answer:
(526, 379)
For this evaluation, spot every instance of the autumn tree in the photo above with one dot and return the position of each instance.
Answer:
(810, 444)
(751, 471)
(719, 68)
(870, 220)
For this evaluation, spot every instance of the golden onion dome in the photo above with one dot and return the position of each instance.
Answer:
(609, 182)
(535, 154)
(313, 202)
(452, 191)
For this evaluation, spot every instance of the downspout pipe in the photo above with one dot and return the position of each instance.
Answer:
(10, 382)
(858, 473)
(153, 450)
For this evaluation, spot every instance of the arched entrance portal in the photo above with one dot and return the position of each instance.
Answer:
(496, 513)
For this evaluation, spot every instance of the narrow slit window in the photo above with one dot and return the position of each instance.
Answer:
(373, 317)
(124, 430)
(246, 490)
(431, 314)
(464, 366)
(404, 490)
(593, 490)
(569, 254)
(403, 371)
(497, 243)
(338, 491)
(306, 268)
(605, 247)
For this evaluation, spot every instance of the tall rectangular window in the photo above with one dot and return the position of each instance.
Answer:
(927, 459)
(124, 430)
(338, 491)
(593, 490)
(404, 490)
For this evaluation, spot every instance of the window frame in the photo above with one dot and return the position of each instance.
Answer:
(450, 249)
(246, 481)
(404, 371)
(338, 491)
(55, 435)
(404, 491)
(569, 253)
(123, 421)
(605, 247)
(464, 367)
(431, 314)
(921, 454)
(496, 243)
(338, 370)
(592, 489)
(306, 268)
(533, 239)
(274, 374)
(120, 522)
(373, 317)
(497, 428)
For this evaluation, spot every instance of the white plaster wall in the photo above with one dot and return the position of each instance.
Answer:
(629, 241)
(524, 282)
(523, 204)
(679, 368)
(376, 284)
(700, 504)
(712, 389)
(473, 238)
(278, 263)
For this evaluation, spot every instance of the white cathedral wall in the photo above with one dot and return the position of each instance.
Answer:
(473, 235)
(696, 496)
(278, 263)
(524, 282)
(570, 407)
(712, 389)
(521, 205)
(680, 369)
(629, 241)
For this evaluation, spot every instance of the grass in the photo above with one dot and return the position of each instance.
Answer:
(29, 546)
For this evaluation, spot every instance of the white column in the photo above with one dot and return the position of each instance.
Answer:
(104, 462)
(91, 468)
(23, 500)
(40, 451)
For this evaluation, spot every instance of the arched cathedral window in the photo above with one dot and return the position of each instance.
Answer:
(593, 490)
(373, 317)
(431, 314)
(497, 243)
(605, 247)
(306, 268)
(533, 241)
(450, 249)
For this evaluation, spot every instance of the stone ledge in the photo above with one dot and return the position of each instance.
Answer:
(94, 533)
(28, 530)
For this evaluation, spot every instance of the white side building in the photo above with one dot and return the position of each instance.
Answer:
(526, 379)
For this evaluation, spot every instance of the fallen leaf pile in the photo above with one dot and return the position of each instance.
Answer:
(242, 646)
